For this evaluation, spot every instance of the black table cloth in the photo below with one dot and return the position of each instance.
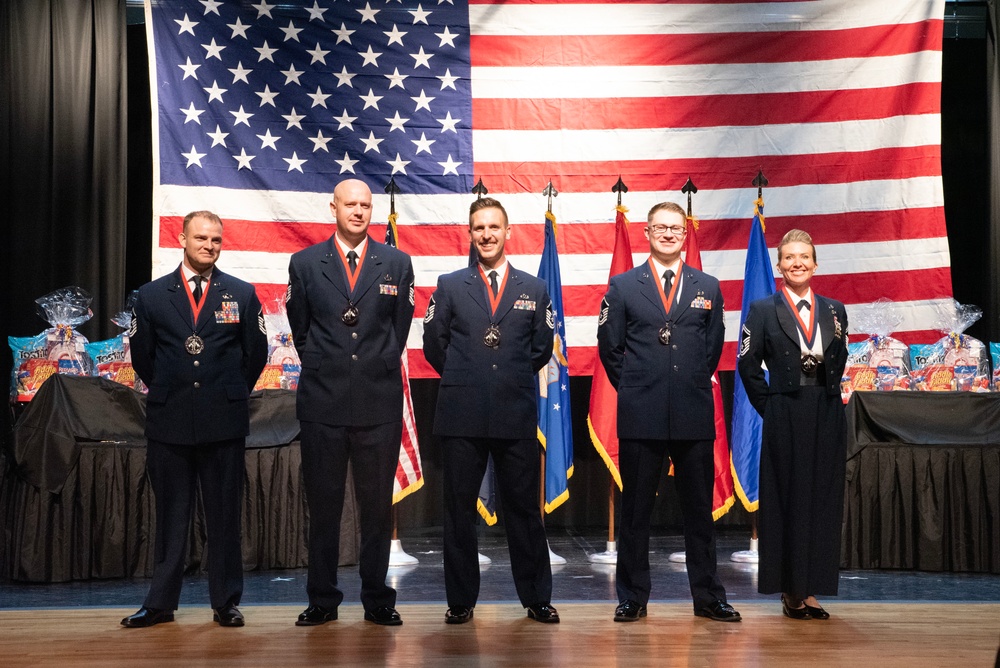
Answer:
(75, 502)
(923, 481)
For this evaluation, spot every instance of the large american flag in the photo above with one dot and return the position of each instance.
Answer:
(261, 108)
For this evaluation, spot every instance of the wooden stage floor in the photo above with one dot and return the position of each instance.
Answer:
(859, 634)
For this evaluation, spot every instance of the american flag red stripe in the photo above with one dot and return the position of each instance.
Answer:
(709, 110)
(837, 101)
(695, 49)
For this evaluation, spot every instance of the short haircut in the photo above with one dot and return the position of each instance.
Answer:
(487, 203)
(200, 214)
(665, 206)
(793, 236)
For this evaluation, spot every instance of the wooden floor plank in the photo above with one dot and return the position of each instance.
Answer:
(885, 635)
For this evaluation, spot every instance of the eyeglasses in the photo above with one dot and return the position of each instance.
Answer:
(660, 230)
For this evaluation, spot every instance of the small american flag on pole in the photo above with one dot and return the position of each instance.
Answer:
(409, 476)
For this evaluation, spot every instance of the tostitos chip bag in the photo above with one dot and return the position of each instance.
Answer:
(957, 362)
(880, 362)
(59, 349)
(112, 358)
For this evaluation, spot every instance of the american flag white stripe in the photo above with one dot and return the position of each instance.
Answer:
(836, 100)
(691, 80)
(638, 18)
(572, 208)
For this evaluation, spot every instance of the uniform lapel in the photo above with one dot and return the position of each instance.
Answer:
(333, 269)
(371, 270)
(477, 289)
(824, 318)
(213, 299)
(689, 286)
(510, 293)
(649, 289)
(179, 299)
(785, 317)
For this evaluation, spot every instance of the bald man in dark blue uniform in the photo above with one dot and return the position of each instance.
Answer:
(350, 306)
(488, 332)
(198, 342)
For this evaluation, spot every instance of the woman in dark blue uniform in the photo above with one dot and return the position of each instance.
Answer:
(801, 339)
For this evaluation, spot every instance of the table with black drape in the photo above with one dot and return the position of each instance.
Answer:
(75, 502)
(923, 481)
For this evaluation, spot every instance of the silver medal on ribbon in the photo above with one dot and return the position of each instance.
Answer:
(492, 337)
(194, 344)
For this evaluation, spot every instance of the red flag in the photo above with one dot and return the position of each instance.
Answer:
(722, 496)
(603, 416)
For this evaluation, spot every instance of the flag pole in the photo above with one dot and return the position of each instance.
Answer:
(397, 555)
(610, 554)
(752, 556)
(554, 558)
(689, 189)
(479, 190)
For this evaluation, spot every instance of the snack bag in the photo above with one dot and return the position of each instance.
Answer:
(64, 348)
(995, 358)
(283, 365)
(115, 361)
(31, 365)
(957, 362)
(880, 362)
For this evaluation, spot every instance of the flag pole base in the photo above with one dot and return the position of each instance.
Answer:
(608, 557)
(678, 557)
(484, 560)
(750, 556)
(398, 557)
(555, 559)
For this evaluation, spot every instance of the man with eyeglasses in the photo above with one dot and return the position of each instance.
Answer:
(660, 335)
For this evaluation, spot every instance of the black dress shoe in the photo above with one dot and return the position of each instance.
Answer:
(629, 611)
(544, 613)
(817, 612)
(792, 612)
(315, 615)
(719, 611)
(458, 614)
(147, 617)
(228, 615)
(386, 616)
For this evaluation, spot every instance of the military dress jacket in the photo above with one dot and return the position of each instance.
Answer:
(351, 373)
(770, 337)
(197, 397)
(488, 391)
(664, 387)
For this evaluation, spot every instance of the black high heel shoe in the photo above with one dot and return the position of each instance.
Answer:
(816, 612)
(794, 613)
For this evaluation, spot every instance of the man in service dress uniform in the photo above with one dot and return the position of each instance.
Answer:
(350, 306)
(660, 334)
(198, 343)
(488, 331)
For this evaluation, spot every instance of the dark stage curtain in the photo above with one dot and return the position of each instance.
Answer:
(993, 164)
(63, 127)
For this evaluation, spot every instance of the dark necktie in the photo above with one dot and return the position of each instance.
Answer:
(197, 287)
(493, 283)
(352, 261)
(804, 303)
(668, 280)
